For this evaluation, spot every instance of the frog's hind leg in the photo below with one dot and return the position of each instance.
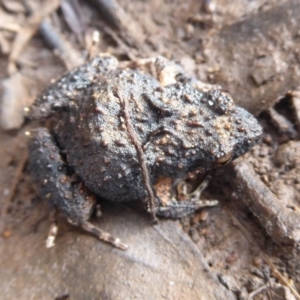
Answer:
(104, 236)
(59, 189)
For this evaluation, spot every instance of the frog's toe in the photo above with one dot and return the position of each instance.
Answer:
(103, 235)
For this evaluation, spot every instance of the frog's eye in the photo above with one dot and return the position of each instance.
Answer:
(226, 93)
(225, 159)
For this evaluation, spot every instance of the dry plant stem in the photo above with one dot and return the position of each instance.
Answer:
(120, 20)
(10, 27)
(258, 291)
(140, 153)
(265, 257)
(27, 32)
(108, 10)
(128, 50)
(51, 36)
(73, 16)
(280, 277)
(8, 199)
(70, 57)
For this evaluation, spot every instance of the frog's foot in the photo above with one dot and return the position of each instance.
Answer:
(189, 204)
(178, 209)
(89, 227)
(62, 193)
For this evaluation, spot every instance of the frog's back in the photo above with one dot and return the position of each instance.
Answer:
(94, 135)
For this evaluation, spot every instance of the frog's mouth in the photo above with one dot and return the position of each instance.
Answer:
(225, 159)
(244, 146)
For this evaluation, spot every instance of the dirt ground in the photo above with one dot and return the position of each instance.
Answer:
(247, 247)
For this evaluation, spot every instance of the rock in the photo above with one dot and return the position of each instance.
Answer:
(161, 262)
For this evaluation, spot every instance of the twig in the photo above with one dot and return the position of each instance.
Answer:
(280, 277)
(140, 153)
(64, 50)
(121, 21)
(27, 32)
(128, 50)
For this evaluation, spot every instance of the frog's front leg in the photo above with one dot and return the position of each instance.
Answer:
(190, 201)
(63, 194)
(178, 209)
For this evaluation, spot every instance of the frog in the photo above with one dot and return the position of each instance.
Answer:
(116, 129)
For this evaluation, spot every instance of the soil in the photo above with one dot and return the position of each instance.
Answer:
(247, 247)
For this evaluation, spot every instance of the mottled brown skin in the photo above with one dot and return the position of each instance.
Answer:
(171, 130)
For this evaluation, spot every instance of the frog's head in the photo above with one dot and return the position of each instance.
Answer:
(204, 130)
(233, 131)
